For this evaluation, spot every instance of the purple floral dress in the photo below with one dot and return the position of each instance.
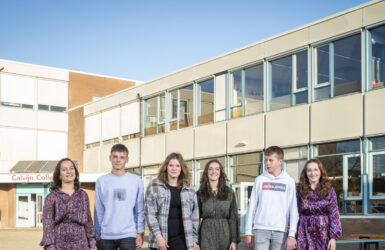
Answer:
(67, 222)
(319, 220)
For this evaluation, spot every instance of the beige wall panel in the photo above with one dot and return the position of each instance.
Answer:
(181, 141)
(287, 42)
(91, 160)
(245, 56)
(210, 140)
(336, 119)
(133, 147)
(34, 70)
(76, 135)
(335, 26)
(288, 127)
(249, 129)
(17, 117)
(374, 121)
(57, 121)
(104, 158)
(374, 13)
(153, 149)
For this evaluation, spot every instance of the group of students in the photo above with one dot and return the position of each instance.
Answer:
(281, 215)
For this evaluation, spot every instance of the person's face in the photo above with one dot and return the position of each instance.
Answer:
(67, 172)
(173, 169)
(214, 171)
(313, 173)
(118, 160)
(273, 163)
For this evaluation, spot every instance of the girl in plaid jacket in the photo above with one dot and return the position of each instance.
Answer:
(171, 207)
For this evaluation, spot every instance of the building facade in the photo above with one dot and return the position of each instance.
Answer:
(317, 91)
(35, 132)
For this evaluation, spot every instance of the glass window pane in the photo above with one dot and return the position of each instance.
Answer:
(246, 167)
(322, 93)
(295, 153)
(353, 207)
(378, 174)
(186, 107)
(301, 79)
(162, 108)
(347, 65)
(378, 57)
(207, 102)
(333, 167)
(151, 117)
(322, 56)
(354, 176)
(136, 171)
(236, 88)
(377, 206)
(378, 143)
(339, 147)
(254, 90)
(301, 97)
(281, 87)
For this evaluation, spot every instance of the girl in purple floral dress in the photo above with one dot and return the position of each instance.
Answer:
(67, 222)
(319, 223)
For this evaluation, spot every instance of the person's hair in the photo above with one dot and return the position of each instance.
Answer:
(275, 150)
(184, 177)
(119, 148)
(205, 189)
(324, 185)
(56, 182)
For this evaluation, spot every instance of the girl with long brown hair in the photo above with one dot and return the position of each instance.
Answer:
(219, 229)
(67, 222)
(171, 207)
(319, 223)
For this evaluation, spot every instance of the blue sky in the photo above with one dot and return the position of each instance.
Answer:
(144, 40)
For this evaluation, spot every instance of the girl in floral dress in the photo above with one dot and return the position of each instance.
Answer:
(67, 222)
(319, 223)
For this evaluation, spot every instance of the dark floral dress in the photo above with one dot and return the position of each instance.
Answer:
(67, 222)
(319, 220)
(219, 226)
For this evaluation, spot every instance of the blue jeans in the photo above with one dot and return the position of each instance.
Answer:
(128, 243)
(264, 239)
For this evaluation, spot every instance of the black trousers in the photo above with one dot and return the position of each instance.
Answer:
(177, 243)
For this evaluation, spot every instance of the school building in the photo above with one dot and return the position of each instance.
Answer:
(317, 91)
(34, 125)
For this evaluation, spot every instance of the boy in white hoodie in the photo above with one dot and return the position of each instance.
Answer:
(272, 210)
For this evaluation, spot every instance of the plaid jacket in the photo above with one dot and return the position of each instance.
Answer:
(156, 209)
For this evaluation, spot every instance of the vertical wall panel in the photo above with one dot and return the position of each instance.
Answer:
(111, 124)
(93, 128)
(130, 118)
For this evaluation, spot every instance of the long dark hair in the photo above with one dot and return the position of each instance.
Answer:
(324, 185)
(205, 190)
(184, 177)
(56, 182)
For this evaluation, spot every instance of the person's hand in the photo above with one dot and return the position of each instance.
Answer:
(139, 240)
(196, 246)
(249, 241)
(332, 244)
(92, 248)
(161, 243)
(99, 244)
(291, 243)
(233, 246)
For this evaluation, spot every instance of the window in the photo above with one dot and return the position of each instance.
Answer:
(245, 167)
(206, 101)
(377, 57)
(137, 171)
(338, 68)
(43, 107)
(155, 115)
(342, 162)
(149, 173)
(377, 175)
(58, 109)
(247, 91)
(181, 107)
(295, 159)
(289, 84)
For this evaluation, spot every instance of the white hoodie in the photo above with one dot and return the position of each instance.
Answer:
(272, 204)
